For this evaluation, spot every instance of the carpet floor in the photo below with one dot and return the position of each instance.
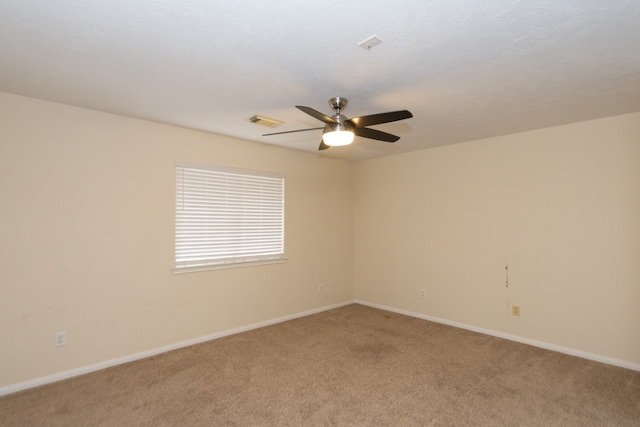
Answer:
(351, 366)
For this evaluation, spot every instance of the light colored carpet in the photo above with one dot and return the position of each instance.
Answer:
(352, 366)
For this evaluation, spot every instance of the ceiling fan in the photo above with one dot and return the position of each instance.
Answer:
(338, 130)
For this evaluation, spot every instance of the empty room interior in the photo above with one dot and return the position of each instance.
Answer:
(508, 208)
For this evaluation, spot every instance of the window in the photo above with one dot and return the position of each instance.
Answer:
(227, 217)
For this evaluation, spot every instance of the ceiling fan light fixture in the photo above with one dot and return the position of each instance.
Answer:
(336, 138)
(340, 130)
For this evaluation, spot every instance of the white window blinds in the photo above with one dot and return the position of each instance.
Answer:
(227, 217)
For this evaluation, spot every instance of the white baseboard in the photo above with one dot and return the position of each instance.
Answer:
(534, 343)
(13, 388)
(137, 356)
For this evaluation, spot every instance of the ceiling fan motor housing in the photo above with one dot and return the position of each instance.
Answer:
(341, 124)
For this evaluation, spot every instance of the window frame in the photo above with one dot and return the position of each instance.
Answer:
(231, 201)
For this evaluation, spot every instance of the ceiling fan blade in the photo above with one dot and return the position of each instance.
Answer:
(376, 119)
(375, 134)
(323, 146)
(290, 131)
(317, 114)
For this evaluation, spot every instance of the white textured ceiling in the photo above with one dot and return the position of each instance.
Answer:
(466, 69)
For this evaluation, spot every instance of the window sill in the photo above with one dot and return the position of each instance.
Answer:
(226, 265)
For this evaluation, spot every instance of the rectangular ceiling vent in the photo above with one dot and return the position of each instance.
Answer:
(265, 121)
(372, 41)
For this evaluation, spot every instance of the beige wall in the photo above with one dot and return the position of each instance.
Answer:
(86, 226)
(561, 206)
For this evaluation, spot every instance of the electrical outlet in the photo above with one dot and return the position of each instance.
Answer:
(60, 339)
(423, 293)
(320, 288)
(515, 310)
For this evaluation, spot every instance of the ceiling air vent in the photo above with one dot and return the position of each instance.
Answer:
(265, 121)
(370, 42)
